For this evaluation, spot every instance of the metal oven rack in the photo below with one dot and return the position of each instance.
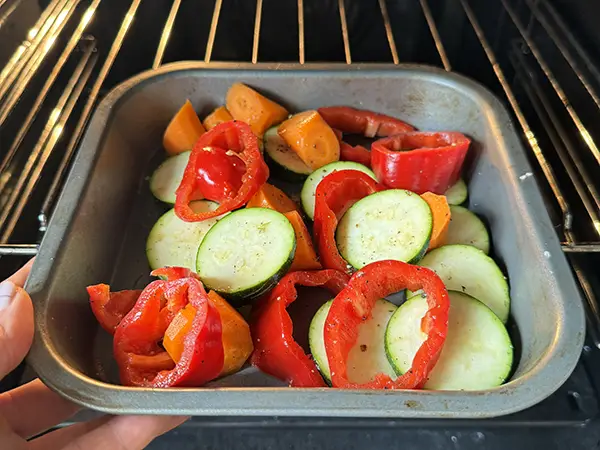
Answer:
(522, 49)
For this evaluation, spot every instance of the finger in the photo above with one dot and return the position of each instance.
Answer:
(16, 326)
(126, 433)
(20, 276)
(9, 439)
(33, 408)
(63, 436)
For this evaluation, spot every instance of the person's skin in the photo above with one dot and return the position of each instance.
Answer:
(32, 408)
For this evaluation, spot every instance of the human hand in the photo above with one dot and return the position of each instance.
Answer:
(32, 408)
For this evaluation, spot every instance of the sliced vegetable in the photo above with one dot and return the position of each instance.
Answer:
(367, 358)
(420, 161)
(238, 138)
(183, 131)
(466, 228)
(167, 177)
(393, 224)
(143, 362)
(282, 160)
(218, 116)
(219, 174)
(269, 196)
(236, 339)
(354, 305)
(357, 153)
(247, 105)
(309, 188)
(305, 257)
(335, 194)
(275, 350)
(173, 242)
(359, 121)
(246, 253)
(457, 193)
(441, 218)
(468, 270)
(311, 138)
(477, 354)
(110, 307)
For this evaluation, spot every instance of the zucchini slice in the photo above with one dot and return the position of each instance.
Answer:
(457, 194)
(284, 163)
(367, 358)
(246, 253)
(167, 177)
(468, 270)
(466, 228)
(309, 189)
(393, 224)
(174, 242)
(477, 354)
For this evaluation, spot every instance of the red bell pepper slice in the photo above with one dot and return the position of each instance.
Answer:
(354, 304)
(110, 307)
(337, 192)
(359, 121)
(172, 273)
(142, 362)
(219, 174)
(420, 161)
(275, 350)
(237, 137)
(358, 154)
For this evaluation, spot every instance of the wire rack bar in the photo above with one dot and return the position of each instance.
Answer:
(28, 47)
(439, 45)
(29, 175)
(18, 249)
(301, 31)
(28, 63)
(164, 38)
(388, 31)
(559, 138)
(567, 54)
(213, 31)
(34, 64)
(256, 36)
(585, 134)
(529, 135)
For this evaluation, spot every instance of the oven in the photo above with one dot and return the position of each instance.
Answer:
(58, 58)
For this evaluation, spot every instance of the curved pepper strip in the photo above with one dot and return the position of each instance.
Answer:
(172, 273)
(275, 350)
(420, 161)
(359, 121)
(354, 304)
(239, 138)
(110, 307)
(337, 192)
(142, 362)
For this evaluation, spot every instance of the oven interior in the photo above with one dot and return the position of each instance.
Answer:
(58, 58)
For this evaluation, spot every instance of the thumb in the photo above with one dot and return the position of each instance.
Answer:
(16, 326)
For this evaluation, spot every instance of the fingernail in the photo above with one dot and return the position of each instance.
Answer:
(7, 293)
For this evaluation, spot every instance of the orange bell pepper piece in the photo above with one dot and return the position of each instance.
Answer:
(441, 218)
(183, 131)
(247, 105)
(305, 257)
(311, 138)
(237, 342)
(216, 117)
(269, 196)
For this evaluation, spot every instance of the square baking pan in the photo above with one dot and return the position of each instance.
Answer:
(98, 231)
